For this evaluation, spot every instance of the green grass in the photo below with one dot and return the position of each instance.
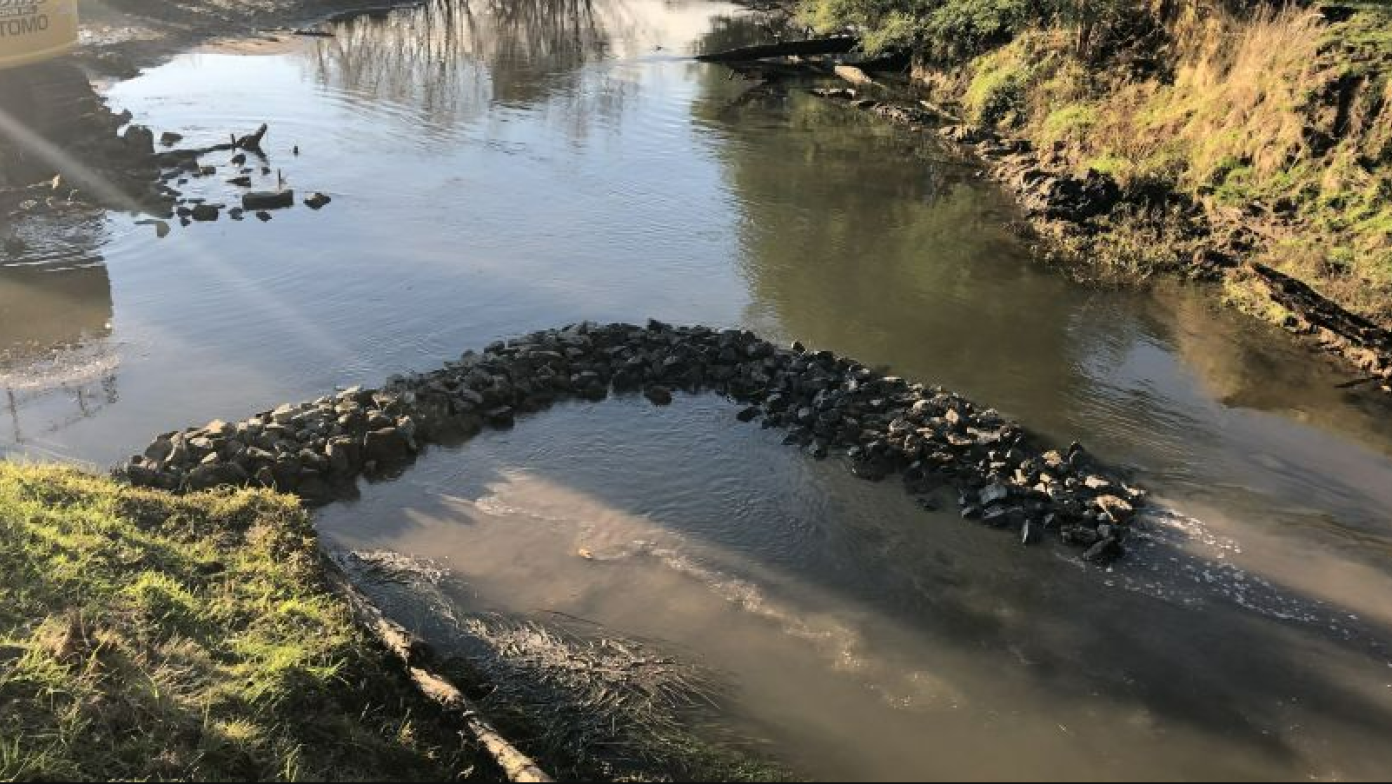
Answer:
(1370, 29)
(1069, 123)
(147, 636)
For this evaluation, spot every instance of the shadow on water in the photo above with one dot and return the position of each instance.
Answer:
(1148, 676)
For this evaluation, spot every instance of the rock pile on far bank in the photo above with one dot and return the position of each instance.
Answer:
(883, 425)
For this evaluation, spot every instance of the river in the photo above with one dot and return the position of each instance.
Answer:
(503, 167)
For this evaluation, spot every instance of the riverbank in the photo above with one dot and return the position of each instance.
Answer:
(1245, 146)
(145, 635)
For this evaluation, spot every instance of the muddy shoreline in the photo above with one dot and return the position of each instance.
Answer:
(939, 442)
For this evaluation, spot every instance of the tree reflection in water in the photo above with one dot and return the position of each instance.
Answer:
(451, 62)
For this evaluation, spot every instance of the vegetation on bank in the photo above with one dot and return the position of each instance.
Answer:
(1275, 118)
(149, 636)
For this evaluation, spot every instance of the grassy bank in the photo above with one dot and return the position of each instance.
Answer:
(147, 636)
(1271, 120)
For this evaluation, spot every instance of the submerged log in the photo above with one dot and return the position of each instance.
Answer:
(812, 46)
(416, 655)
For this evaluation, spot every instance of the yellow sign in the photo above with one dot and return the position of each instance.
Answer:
(32, 31)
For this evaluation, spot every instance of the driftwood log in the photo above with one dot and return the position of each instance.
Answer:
(416, 656)
(813, 46)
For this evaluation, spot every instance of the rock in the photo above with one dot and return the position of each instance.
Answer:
(1081, 535)
(263, 216)
(218, 429)
(241, 182)
(159, 450)
(749, 414)
(317, 201)
(1031, 533)
(870, 470)
(660, 396)
(503, 416)
(1119, 510)
(1104, 552)
(386, 447)
(993, 493)
(344, 456)
(210, 475)
(169, 138)
(239, 159)
(140, 475)
(265, 477)
(268, 200)
(996, 516)
(139, 140)
(205, 212)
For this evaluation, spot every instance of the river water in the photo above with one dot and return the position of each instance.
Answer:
(503, 167)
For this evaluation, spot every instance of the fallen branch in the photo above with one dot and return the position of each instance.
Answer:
(415, 655)
(252, 142)
(812, 46)
(854, 75)
(940, 111)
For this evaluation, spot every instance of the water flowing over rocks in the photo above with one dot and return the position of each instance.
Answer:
(883, 425)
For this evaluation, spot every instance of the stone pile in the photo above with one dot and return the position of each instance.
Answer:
(882, 425)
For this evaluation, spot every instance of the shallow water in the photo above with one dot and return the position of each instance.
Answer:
(525, 165)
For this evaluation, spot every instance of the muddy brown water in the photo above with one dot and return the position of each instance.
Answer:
(498, 168)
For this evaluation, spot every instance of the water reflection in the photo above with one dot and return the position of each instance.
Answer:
(855, 235)
(935, 645)
(451, 62)
(57, 364)
(859, 237)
